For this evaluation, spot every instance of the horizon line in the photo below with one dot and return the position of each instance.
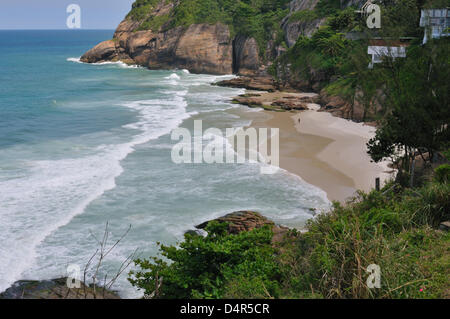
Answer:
(62, 29)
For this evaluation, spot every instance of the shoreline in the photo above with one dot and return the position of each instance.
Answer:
(326, 151)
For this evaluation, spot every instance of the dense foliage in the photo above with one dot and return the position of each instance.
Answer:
(417, 94)
(210, 267)
(394, 228)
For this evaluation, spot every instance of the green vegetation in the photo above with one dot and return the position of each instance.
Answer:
(205, 267)
(417, 97)
(141, 9)
(154, 22)
(394, 228)
(303, 16)
(437, 4)
(254, 18)
(319, 58)
(326, 8)
(259, 19)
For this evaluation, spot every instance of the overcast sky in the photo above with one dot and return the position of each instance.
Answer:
(51, 14)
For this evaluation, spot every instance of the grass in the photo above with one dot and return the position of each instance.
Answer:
(395, 229)
(154, 23)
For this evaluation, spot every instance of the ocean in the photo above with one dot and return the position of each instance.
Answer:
(82, 145)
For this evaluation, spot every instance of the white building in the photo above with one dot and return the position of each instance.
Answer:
(379, 49)
(436, 23)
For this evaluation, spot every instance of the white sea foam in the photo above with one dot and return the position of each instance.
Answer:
(58, 190)
(173, 76)
(76, 60)
(116, 63)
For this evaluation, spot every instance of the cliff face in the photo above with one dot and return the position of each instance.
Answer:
(152, 39)
(246, 59)
(294, 29)
(200, 48)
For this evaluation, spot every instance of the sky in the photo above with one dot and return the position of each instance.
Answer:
(51, 14)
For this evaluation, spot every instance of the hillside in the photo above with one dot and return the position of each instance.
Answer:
(212, 36)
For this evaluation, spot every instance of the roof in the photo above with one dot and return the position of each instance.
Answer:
(394, 51)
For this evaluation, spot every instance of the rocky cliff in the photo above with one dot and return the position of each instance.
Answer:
(293, 28)
(54, 289)
(200, 47)
(154, 38)
(242, 221)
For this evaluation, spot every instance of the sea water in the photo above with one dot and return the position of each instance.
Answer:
(82, 145)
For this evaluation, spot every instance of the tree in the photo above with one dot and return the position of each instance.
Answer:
(417, 97)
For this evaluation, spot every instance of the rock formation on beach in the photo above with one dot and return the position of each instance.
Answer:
(278, 101)
(246, 221)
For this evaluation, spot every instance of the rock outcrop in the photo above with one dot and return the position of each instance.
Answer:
(241, 221)
(247, 221)
(104, 51)
(278, 101)
(246, 59)
(294, 29)
(445, 225)
(339, 107)
(200, 48)
(54, 289)
(258, 83)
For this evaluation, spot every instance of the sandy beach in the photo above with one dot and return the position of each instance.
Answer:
(326, 151)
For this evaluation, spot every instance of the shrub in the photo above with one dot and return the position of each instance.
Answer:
(442, 173)
(204, 267)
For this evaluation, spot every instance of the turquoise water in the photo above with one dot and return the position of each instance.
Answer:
(82, 145)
